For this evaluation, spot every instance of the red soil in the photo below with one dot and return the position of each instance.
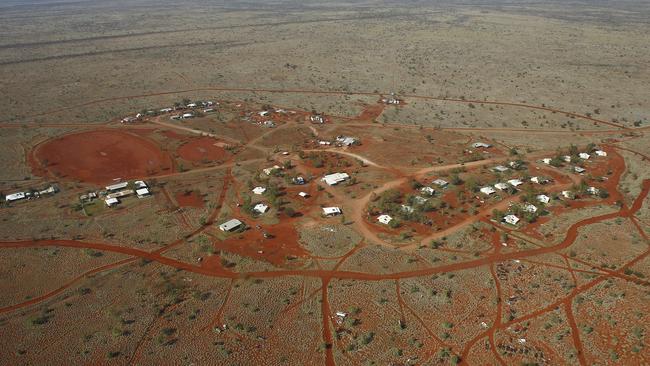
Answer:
(189, 199)
(202, 149)
(278, 250)
(99, 156)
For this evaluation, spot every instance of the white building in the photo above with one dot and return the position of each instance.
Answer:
(140, 184)
(584, 156)
(324, 143)
(593, 190)
(188, 115)
(260, 208)
(600, 153)
(117, 186)
(331, 211)
(530, 208)
(501, 186)
(336, 178)
(230, 225)
(440, 182)
(270, 170)
(547, 161)
(578, 169)
(500, 168)
(142, 192)
(428, 190)
(543, 198)
(384, 219)
(567, 194)
(566, 158)
(346, 140)
(487, 190)
(511, 219)
(15, 196)
(539, 180)
(478, 145)
(303, 194)
(259, 190)
(110, 202)
(515, 182)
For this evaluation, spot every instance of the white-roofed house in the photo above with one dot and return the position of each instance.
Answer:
(511, 219)
(140, 184)
(303, 194)
(501, 186)
(578, 169)
(568, 195)
(15, 196)
(566, 158)
(385, 219)
(110, 202)
(478, 145)
(547, 161)
(142, 192)
(530, 208)
(584, 156)
(515, 182)
(331, 211)
(539, 180)
(487, 190)
(230, 225)
(600, 153)
(543, 198)
(187, 115)
(269, 171)
(593, 190)
(259, 190)
(440, 182)
(428, 190)
(501, 168)
(336, 178)
(260, 208)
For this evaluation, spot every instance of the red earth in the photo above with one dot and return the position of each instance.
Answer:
(189, 199)
(100, 156)
(202, 149)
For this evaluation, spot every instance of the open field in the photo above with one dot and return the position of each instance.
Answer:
(496, 213)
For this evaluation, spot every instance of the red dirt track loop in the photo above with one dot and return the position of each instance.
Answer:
(99, 156)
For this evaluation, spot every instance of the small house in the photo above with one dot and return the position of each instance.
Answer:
(500, 168)
(566, 158)
(140, 184)
(142, 192)
(269, 171)
(593, 190)
(303, 194)
(187, 115)
(110, 202)
(600, 153)
(578, 169)
(515, 182)
(259, 190)
(331, 211)
(543, 198)
(487, 190)
(440, 183)
(547, 161)
(15, 196)
(584, 156)
(336, 178)
(501, 186)
(117, 186)
(230, 225)
(260, 208)
(481, 145)
(539, 180)
(511, 219)
(568, 195)
(428, 190)
(384, 219)
(530, 208)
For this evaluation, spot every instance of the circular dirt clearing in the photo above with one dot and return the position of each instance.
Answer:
(202, 149)
(100, 156)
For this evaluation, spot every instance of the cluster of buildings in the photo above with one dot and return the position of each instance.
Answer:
(30, 194)
(114, 192)
(582, 156)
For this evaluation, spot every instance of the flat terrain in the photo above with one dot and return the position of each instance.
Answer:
(220, 101)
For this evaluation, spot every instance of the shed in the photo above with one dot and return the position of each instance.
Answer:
(303, 194)
(543, 198)
(260, 208)
(142, 192)
(440, 182)
(584, 156)
(117, 186)
(501, 186)
(259, 190)
(110, 202)
(511, 219)
(331, 211)
(515, 182)
(487, 190)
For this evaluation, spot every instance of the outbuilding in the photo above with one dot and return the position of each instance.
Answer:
(543, 198)
(501, 186)
(15, 196)
(515, 182)
(260, 208)
(110, 202)
(259, 190)
(336, 178)
(142, 192)
(117, 186)
(487, 190)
